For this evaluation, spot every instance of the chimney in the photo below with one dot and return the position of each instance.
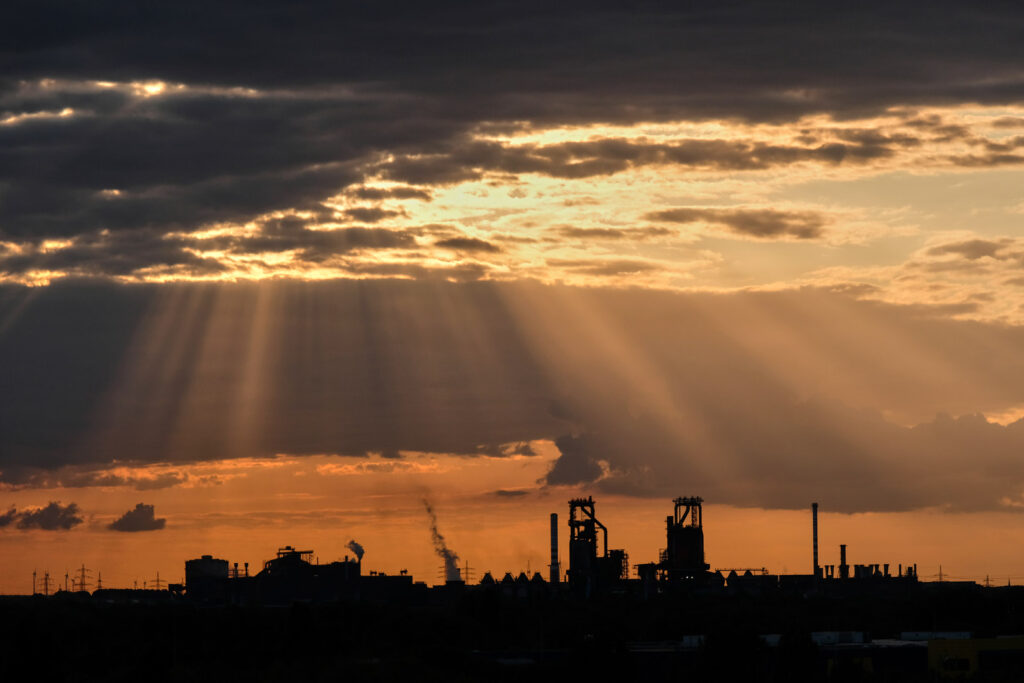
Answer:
(814, 524)
(844, 569)
(555, 569)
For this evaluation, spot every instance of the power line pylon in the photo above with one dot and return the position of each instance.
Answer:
(82, 573)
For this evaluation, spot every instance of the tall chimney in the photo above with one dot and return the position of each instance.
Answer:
(814, 523)
(844, 569)
(555, 569)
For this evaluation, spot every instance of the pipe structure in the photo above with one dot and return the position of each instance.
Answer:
(844, 569)
(555, 570)
(814, 523)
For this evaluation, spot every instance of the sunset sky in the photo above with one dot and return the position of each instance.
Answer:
(274, 273)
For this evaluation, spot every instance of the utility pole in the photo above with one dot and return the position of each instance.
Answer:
(99, 581)
(34, 582)
(940, 573)
(46, 582)
(158, 583)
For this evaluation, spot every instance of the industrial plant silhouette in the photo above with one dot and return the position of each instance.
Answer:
(671, 617)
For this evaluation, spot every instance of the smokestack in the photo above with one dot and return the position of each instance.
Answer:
(814, 522)
(555, 569)
(844, 569)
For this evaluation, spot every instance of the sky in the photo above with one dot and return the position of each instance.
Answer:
(277, 273)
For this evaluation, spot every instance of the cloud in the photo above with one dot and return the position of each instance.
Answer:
(760, 223)
(615, 233)
(141, 518)
(52, 517)
(471, 159)
(606, 266)
(657, 390)
(71, 476)
(379, 193)
(971, 249)
(575, 465)
(147, 253)
(104, 254)
(291, 105)
(370, 214)
(511, 493)
(816, 449)
(1008, 122)
(8, 518)
(468, 244)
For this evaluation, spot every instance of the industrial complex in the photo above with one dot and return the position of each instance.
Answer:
(593, 570)
(672, 614)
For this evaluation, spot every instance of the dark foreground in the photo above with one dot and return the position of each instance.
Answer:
(490, 637)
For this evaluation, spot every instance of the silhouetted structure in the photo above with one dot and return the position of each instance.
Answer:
(814, 535)
(589, 572)
(554, 568)
(683, 556)
(753, 625)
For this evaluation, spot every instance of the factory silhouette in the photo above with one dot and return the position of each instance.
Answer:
(595, 615)
(594, 570)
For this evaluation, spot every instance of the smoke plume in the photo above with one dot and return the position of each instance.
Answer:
(356, 548)
(450, 557)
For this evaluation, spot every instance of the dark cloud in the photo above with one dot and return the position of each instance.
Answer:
(817, 449)
(113, 255)
(761, 223)
(52, 517)
(505, 449)
(285, 105)
(522, 448)
(972, 249)
(468, 244)
(615, 233)
(147, 252)
(467, 159)
(8, 518)
(1009, 122)
(379, 193)
(661, 390)
(987, 160)
(141, 518)
(576, 464)
(605, 267)
(318, 245)
(72, 476)
(370, 214)
(511, 493)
